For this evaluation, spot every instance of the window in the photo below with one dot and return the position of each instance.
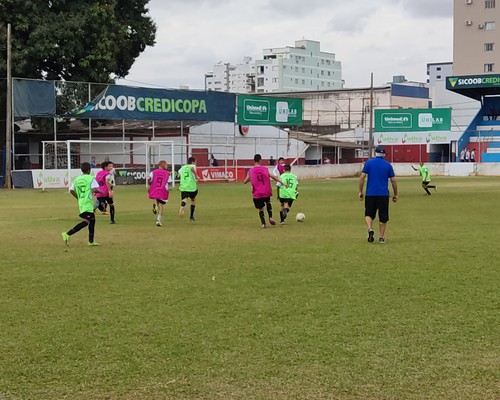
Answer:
(296, 81)
(489, 67)
(322, 72)
(303, 70)
(489, 26)
(438, 77)
(260, 82)
(489, 46)
(303, 81)
(438, 69)
(489, 4)
(296, 69)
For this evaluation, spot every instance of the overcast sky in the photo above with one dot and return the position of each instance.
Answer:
(388, 37)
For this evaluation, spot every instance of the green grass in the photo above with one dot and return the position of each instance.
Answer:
(221, 309)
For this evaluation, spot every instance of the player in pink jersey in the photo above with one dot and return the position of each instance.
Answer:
(261, 189)
(104, 179)
(158, 189)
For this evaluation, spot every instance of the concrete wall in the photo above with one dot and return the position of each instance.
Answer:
(436, 169)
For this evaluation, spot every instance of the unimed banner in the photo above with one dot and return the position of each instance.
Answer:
(413, 120)
(124, 102)
(260, 110)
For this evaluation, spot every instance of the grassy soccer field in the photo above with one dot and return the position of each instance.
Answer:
(222, 309)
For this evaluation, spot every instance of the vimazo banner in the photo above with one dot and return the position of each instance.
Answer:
(125, 102)
(261, 110)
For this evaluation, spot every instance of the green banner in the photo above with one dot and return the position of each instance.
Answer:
(472, 81)
(413, 120)
(260, 110)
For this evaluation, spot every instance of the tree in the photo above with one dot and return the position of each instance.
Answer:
(75, 40)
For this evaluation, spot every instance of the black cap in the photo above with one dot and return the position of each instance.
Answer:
(380, 150)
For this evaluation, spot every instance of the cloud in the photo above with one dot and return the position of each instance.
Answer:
(389, 38)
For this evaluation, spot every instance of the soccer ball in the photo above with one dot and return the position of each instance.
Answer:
(300, 217)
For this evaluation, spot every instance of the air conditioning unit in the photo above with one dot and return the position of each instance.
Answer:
(480, 26)
(468, 1)
(468, 22)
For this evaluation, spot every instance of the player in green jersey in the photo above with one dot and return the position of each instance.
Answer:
(188, 186)
(426, 178)
(82, 189)
(289, 193)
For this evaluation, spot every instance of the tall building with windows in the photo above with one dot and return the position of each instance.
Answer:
(476, 42)
(225, 77)
(285, 69)
(298, 68)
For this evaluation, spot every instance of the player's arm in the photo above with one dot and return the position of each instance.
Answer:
(394, 189)
(109, 185)
(278, 180)
(94, 186)
(247, 178)
(193, 169)
(414, 169)
(361, 185)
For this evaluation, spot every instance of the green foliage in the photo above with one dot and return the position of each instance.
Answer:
(222, 309)
(76, 40)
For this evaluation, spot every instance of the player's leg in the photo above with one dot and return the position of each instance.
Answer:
(269, 209)
(259, 205)
(424, 186)
(383, 216)
(159, 217)
(111, 203)
(370, 213)
(282, 208)
(184, 196)
(91, 220)
(193, 205)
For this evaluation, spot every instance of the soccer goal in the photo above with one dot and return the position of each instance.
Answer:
(133, 160)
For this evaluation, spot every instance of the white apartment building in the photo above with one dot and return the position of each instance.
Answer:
(225, 77)
(476, 42)
(285, 69)
(299, 68)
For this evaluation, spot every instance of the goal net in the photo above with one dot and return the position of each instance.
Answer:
(133, 160)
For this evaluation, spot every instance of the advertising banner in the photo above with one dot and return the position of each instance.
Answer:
(472, 81)
(399, 138)
(123, 102)
(130, 176)
(54, 178)
(413, 120)
(260, 110)
(220, 173)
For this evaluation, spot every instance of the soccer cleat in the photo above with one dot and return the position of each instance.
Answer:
(181, 211)
(381, 240)
(93, 244)
(191, 219)
(112, 222)
(263, 226)
(282, 223)
(154, 208)
(435, 189)
(272, 221)
(65, 238)
(158, 223)
(370, 235)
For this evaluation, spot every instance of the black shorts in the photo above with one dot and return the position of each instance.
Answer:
(283, 201)
(88, 216)
(377, 203)
(161, 201)
(191, 195)
(260, 203)
(106, 200)
(425, 183)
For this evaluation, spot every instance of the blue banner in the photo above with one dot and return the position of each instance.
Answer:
(124, 102)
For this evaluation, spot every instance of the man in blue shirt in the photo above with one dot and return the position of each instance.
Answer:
(379, 171)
